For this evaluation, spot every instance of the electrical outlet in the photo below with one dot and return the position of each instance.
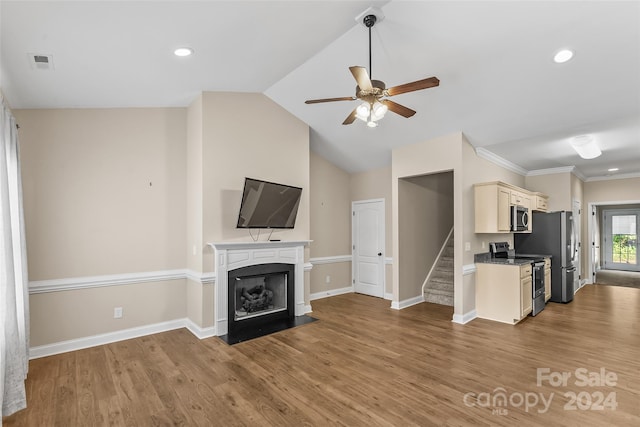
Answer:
(327, 279)
(117, 313)
(467, 246)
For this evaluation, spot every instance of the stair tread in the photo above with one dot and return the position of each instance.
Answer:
(439, 288)
(448, 292)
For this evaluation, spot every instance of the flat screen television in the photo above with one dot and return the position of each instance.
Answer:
(268, 205)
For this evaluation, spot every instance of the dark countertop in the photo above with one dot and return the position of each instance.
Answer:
(505, 261)
(486, 258)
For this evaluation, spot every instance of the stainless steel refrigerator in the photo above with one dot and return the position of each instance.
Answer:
(553, 234)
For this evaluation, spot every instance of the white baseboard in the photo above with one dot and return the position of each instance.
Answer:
(464, 318)
(101, 339)
(330, 293)
(199, 332)
(399, 305)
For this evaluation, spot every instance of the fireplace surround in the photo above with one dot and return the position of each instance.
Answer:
(247, 259)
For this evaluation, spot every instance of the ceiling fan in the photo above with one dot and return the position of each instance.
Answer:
(374, 93)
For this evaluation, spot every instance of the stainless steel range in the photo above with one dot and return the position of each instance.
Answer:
(502, 250)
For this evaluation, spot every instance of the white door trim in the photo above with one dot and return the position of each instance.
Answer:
(591, 227)
(607, 227)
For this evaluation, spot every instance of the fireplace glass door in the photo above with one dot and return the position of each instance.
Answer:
(259, 295)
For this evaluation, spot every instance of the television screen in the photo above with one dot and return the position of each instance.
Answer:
(268, 205)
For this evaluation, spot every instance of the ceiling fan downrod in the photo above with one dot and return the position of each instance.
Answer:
(369, 21)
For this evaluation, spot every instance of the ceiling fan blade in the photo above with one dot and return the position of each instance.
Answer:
(316, 101)
(398, 109)
(362, 77)
(413, 86)
(351, 118)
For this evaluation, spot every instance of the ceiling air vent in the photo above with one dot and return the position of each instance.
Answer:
(41, 62)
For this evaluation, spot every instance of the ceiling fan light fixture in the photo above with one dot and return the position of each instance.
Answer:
(372, 124)
(585, 146)
(363, 111)
(379, 110)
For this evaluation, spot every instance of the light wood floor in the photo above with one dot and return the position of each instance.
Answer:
(362, 364)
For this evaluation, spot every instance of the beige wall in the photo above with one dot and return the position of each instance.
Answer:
(425, 218)
(248, 135)
(612, 190)
(104, 193)
(563, 188)
(477, 170)
(68, 315)
(440, 154)
(137, 190)
(104, 190)
(605, 192)
(558, 186)
(449, 152)
(330, 211)
(376, 184)
(245, 135)
(197, 305)
(194, 194)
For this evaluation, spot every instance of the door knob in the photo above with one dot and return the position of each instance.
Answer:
(379, 253)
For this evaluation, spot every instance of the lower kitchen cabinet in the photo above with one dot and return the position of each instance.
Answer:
(503, 292)
(547, 279)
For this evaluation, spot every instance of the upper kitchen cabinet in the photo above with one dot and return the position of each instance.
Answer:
(539, 202)
(499, 206)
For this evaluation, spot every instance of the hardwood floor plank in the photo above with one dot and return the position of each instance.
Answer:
(361, 364)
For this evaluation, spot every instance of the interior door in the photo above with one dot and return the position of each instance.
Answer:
(368, 247)
(577, 243)
(621, 229)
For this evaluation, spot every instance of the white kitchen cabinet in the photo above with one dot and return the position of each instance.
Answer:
(540, 202)
(503, 292)
(547, 279)
(493, 201)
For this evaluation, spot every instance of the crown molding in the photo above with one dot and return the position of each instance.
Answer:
(611, 177)
(502, 162)
(579, 174)
(551, 171)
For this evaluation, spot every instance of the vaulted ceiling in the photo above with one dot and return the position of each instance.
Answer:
(498, 81)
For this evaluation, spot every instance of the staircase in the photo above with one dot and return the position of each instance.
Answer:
(439, 286)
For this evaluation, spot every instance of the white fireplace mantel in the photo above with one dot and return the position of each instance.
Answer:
(230, 256)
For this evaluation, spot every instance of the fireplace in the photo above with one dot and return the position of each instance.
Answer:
(259, 295)
(246, 261)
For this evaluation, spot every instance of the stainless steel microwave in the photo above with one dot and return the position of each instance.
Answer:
(519, 218)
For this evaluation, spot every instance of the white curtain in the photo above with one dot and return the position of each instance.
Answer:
(14, 290)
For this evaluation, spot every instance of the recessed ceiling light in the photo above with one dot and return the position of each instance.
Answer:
(563, 56)
(613, 170)
(183, 51)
